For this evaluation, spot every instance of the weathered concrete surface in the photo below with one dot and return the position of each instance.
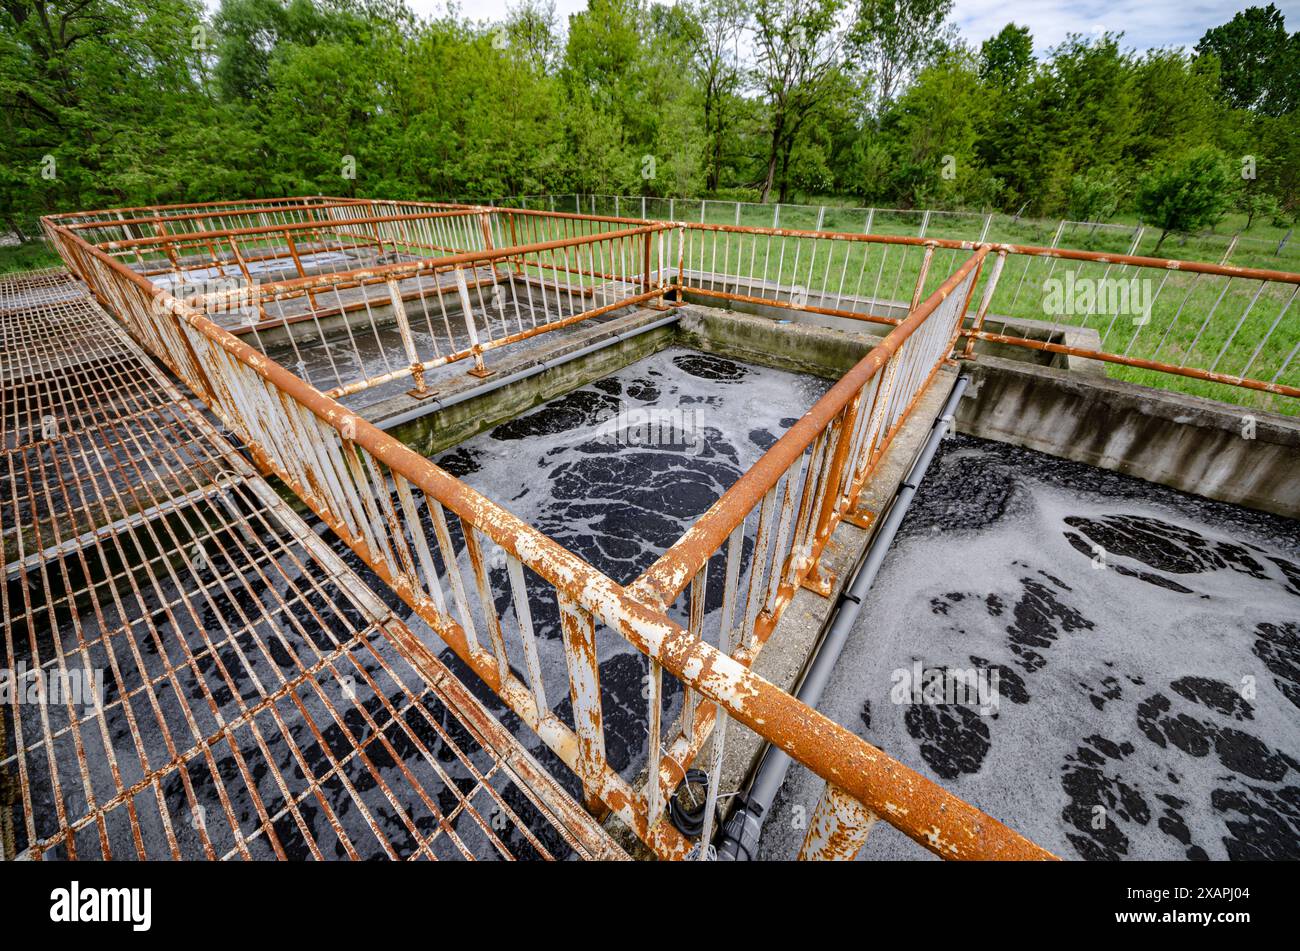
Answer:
(1186, 442)
(784, 345)
(445, 426)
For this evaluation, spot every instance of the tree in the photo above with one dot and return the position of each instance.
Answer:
(1076, 112)
(895, 38)
(934, 132)
(92, 94)
(1093, 196)
(533, 29)
(1007, 58)
(1186, 194)
(1178, 108)
(798, 52)
(716, 62)
(1253, 202)
(1258, 59)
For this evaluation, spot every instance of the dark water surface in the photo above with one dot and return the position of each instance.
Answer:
(580, 469)
(1147, 647)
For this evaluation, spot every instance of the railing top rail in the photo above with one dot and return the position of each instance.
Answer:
(190, 236)
(571, 215)
(1166, 264)
(293, 287)
(921, 809)
(254, 210)
(294, 200)
(669, 575)
(451, 208)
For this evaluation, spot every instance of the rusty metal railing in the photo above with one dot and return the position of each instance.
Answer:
(413, 235)
(1158, 319)
(438, 311)
(424, 533)
(354, 300)
(793, 498)
(150, 213)
(1210, 328)
(215, 682)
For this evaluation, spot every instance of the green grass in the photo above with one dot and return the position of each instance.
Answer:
(29, 256)
(1177, 331)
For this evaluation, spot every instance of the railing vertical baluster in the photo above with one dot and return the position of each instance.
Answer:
(838, 829)
(527, 638)
(655, 711)
(578, 631)
(491, 616)
(990, 288)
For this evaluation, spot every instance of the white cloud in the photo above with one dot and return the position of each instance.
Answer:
(1145, 23)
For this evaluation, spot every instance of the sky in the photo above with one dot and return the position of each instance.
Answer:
(1145, 23)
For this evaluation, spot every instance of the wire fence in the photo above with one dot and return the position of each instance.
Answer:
(1106, 237)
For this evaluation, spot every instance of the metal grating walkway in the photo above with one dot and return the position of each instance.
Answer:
(190, 671)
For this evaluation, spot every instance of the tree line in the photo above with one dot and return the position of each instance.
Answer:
(126, 102)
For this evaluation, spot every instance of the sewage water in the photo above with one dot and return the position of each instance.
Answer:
(580, 469)
(1146, 645)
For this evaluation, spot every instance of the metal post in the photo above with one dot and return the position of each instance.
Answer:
(989, 289)
(578, 632)
(920, 278)
(480, 370)
(408, 342)
(839, 828)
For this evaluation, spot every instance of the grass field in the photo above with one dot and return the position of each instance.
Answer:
(30, 256)
(1229, 325)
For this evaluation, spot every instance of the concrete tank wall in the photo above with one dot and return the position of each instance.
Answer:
(1222, 452)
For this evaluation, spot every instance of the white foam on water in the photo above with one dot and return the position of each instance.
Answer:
(569, 469)
(1112, 634)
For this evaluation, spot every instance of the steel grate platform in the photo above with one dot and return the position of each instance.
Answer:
(192, 672)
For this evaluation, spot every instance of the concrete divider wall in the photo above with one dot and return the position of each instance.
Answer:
(1222, 452)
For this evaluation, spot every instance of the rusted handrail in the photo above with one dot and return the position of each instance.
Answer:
(195, 236)
(258, 208)
(1031, 250)
(920, 808)
(300, 202)
(668, 576)
(381, 273)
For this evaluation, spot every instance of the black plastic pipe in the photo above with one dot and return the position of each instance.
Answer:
(740, 835)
